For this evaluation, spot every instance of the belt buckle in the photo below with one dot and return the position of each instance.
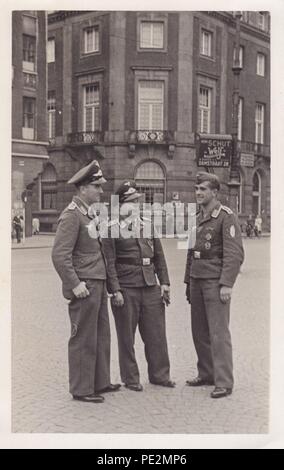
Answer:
(146, 261)
(197, 254)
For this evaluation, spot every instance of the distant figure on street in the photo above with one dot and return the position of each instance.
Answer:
(17, 227)
(35, 224)
(133, 262)
(80, 262)
(249, 226)
(211, 270)
(258, 225)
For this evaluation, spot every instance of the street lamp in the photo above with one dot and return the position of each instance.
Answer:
(234, 181)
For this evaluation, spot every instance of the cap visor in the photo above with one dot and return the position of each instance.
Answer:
(132, 197)
(101, 180)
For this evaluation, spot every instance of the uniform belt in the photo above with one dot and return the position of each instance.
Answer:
(135, 261)
(202, 255)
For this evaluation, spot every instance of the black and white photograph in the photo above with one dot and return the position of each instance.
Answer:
(140, 226)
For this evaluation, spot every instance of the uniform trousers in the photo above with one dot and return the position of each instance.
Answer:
(210, 330)
(89, 345)
(143, 307)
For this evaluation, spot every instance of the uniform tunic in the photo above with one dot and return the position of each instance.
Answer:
(77, 256)
(214, 261)
(143, 305)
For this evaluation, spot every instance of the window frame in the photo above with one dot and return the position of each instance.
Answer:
(26, 64)
(29, 135)
(259, 122)
(241, 56)
(152, 24)
(96, 28)
(46, 187)
(240, 118)
(202, 108)
(93, 106)
(260, 65)
(49, 40)
(202, 51)
(150, 126)
(152, 17)
(51, 114)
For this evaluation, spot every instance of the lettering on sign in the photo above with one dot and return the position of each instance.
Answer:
(214, 151)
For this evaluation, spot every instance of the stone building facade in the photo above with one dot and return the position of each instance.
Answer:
(135, 89)
(29, 119)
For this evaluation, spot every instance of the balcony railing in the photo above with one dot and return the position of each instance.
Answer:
(152, 136)
(261, 150)
(84, 138)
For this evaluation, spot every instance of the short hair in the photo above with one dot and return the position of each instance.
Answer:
(212, 179)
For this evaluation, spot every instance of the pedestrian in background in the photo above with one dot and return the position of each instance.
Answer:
(79, 260)
(17, 226)
(35, 223)
(258, 225)
(133, 262)
(213, 264)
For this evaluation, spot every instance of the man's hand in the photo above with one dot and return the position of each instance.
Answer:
(81, 290)
(225, 293)
(187, 293)
(118, 300)
(165, 293)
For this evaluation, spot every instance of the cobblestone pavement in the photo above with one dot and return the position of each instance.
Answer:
(40, 399)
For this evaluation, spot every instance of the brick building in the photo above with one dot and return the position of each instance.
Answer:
(29, 123)
(133, 89)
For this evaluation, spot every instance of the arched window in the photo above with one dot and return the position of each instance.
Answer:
(48, 188)
(256, 194)
(150, 180)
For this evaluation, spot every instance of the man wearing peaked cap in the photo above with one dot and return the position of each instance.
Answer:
(90, 174)
(127, 192)
(80, 262)
(134, 263)
(213, 264)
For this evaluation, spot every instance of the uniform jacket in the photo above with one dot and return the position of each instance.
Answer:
(218, 250)
(76, 255)
(125, 275)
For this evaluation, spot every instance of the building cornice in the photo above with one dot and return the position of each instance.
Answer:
(228, 18)
(63, 14)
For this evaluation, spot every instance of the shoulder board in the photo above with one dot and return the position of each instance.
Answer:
(72, 206)
(227, 209)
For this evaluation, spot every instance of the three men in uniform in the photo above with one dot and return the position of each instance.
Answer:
(128, 265)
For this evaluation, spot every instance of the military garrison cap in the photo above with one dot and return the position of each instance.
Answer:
(90, 174)
(203, 176)
(127, 191)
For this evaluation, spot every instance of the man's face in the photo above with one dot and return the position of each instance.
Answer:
(91, 193)
(204, 194)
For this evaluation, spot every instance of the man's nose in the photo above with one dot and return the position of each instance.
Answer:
(101, 190)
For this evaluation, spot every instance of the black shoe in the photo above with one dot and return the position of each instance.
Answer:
(110, 388)
(134, 387)
(89, 398)
(220, 392)
(199, 382)
(167, 383)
